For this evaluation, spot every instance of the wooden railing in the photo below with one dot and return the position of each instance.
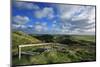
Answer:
(28, 45)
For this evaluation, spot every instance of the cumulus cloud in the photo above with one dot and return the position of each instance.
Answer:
(24, 28)
(67, 11)
(45, 12)
(26, 5)
(65, 19)
(19, 22)
(15, 26)
(54, 23)
(77, 18)
(20, 19)
(40, 27)
(30, 26)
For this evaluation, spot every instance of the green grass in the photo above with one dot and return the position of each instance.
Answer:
(74, 48)
(84, 37)
(20, 38)
(58, 56)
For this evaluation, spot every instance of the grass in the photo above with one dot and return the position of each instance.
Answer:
(73, 48)
(19, 38)
(58, 56)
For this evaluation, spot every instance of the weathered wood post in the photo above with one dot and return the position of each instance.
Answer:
(19, 52)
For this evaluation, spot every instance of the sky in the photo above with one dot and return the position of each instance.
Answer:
(51, 18)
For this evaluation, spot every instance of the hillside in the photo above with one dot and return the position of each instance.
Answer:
(19, 38)
(64, 48)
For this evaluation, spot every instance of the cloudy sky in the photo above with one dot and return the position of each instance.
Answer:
(50, 18)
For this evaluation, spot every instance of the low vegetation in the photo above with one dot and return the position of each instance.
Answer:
(64, 48)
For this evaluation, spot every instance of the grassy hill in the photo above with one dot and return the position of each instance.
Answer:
(71, 48)
(20, 38)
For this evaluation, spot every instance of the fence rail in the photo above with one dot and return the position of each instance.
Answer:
(28, 45)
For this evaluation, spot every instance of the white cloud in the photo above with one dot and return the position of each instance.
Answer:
(90, 30)
(54, 23)
(30, 26)
(40, 26)
(15, 26)
(91, 16)
(26, 5)
(80, 18)
(88, 12)
(45, 12)
(19, 22)
(67, 11)
(20, 19)
(44, 23)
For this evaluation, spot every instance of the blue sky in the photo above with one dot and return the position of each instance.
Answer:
(50, 18)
